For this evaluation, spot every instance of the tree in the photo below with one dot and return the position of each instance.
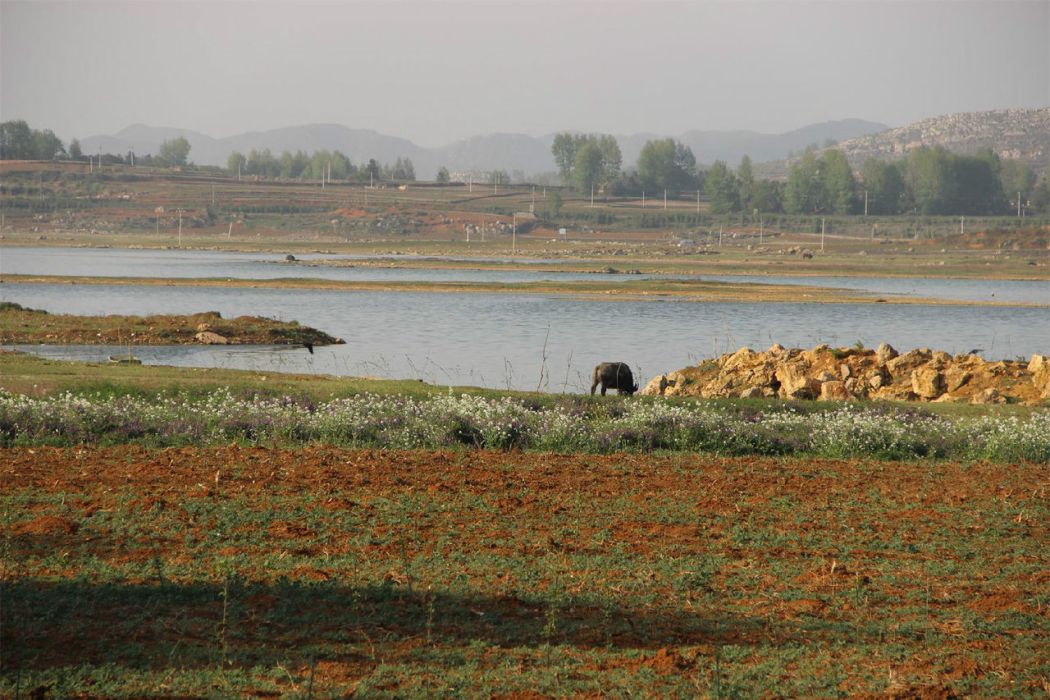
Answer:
(804, 192)
(175, 151)
(612, 159)
(1017, 177)
(554, 203)
(587, 172)
(74, 150)
(372, 169)
(722, 189)
(235, 162)
(885, 186)
(564, 151)
(666, 164)
(16, 141)
(442, 175)
(837, 177)
(745, 183)
(930, 179)
(768, 197)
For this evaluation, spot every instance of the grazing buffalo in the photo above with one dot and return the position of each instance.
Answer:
(614, 375)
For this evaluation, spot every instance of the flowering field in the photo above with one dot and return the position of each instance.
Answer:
(569, 424)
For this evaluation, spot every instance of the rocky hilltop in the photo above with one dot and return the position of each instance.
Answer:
(846, 374)
(1017, 134)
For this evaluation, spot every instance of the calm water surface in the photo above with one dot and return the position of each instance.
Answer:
(528, 341)
(185, 263)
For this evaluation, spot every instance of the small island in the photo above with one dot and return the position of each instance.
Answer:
(21, 325)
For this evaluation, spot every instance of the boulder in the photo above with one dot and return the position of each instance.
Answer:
(834, 391)
(989, 395)
(885, 353)
(740, 358)
(845, 372)
(1039, 366)
(927, 383)
(956, 378)
(211, 338)
(752, 393)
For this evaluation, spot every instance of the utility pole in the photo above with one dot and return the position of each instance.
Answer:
(962, 225)
(865, 202)
(229, 231)
(592, 195)
(720, 235)
(643, 199)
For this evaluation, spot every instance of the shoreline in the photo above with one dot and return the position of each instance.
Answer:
(640, 290)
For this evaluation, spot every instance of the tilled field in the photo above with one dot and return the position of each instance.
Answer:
(321, 572)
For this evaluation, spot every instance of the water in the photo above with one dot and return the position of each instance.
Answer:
(186, 264)
(527, 341)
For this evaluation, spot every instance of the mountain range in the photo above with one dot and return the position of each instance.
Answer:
(504, 151)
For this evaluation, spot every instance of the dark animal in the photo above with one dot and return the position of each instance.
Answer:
(309, 346)
(614, 375)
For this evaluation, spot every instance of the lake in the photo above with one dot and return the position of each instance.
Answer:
(527, 341)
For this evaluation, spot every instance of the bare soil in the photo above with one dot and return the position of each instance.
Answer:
(399, 573)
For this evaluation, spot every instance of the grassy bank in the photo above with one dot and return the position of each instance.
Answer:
(20, 325)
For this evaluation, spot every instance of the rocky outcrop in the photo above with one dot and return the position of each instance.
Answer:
(211, 338)
(853, 374)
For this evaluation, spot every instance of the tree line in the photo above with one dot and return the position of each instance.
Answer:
(331, 165)
(929, 181)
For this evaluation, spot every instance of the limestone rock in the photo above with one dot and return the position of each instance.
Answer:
(834, 391)
(211, 338)
(989, 395)
(927, 382)
(885, 353)
(752, 393)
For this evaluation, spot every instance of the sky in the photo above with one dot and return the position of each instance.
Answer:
(438, 71)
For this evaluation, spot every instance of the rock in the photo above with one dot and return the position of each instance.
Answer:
(201, 327)
(775, 349)
(856, 388)
(826, 376)
(740, 358)
(956, 378)
(900, 365)
(927, 383)
(211, 338)
(752, 393)
(989, 395)
(834, 391)
(1039, 366)
(845, 372)
(885, 353)
(941, 358)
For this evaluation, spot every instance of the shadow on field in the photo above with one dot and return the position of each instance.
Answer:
(46, 624)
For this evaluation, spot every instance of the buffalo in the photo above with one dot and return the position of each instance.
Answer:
(614, 375)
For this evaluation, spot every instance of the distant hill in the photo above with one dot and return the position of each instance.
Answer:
(1020, 134)
(505, 151)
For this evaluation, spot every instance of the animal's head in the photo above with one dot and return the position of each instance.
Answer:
(632, 390)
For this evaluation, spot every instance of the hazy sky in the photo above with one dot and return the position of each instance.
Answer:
(437, 71)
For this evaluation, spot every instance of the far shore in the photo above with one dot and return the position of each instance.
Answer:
(599, 289)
